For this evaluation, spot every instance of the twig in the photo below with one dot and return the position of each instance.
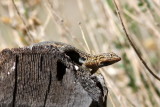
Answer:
(133, 45)
(27, 30)
(111, 100)
(84, 38)
(88, 25)
(60, 22)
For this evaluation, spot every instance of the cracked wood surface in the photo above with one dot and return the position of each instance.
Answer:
(44, 76)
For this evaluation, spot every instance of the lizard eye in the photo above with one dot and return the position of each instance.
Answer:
(112, 55)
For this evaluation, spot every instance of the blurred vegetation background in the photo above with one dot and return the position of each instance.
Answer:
(24, 22)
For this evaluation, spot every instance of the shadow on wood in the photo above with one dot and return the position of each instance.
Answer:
(44, 76)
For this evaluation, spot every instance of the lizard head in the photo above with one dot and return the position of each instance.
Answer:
(101, 60)
(106, 59)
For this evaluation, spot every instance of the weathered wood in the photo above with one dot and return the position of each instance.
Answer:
(44, 76)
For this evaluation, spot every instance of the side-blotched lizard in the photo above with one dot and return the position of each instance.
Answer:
(93, 62)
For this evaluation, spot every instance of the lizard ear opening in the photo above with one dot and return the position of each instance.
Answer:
(82, 60)
(75, 57)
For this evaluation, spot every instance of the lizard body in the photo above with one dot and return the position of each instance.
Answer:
(90, 61)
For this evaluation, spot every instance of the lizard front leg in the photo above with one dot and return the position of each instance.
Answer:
(94, 70)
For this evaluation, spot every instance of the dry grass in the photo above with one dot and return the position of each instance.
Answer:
(129, 82)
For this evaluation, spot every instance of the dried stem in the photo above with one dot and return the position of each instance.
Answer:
(27, 30)
(84, 38)
(132, 44)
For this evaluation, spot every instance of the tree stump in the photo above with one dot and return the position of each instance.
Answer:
(43, 76)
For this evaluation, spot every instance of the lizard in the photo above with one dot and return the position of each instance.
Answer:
(86, 60)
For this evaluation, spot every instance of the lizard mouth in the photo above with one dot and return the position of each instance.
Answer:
(109, 62)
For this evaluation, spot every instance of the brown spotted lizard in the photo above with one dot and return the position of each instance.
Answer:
(93, 62)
